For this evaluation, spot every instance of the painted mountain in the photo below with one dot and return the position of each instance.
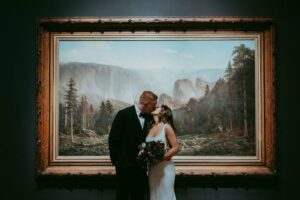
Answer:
(100, 82)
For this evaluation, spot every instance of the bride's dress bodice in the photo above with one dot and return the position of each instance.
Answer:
(160, 137)
(162, 174)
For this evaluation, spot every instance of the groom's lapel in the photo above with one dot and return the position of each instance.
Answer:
(136, 119)
(147, 125)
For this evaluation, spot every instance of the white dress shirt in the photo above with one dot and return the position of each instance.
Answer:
(141, 119)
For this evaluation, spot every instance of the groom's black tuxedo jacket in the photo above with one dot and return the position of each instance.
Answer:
(125, 136)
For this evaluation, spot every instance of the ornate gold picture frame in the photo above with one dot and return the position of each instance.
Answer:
(217, 75)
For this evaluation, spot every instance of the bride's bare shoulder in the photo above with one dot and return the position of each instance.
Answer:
(168, 128)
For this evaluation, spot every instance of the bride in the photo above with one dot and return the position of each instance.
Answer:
(162, 172)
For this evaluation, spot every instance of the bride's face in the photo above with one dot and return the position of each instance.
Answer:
(156, 111)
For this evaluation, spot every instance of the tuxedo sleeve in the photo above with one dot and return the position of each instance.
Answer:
(114, 139)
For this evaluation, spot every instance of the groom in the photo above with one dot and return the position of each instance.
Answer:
(129, 129)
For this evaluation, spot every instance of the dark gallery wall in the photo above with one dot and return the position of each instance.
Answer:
(17, 159)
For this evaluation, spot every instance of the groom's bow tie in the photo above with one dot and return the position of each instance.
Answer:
(143, 115)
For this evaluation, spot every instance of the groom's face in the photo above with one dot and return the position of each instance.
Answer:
(149, 106)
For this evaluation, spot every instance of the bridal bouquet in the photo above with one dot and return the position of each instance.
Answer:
(151, 152)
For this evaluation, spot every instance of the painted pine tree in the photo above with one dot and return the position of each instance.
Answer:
(71, 104)
(242, 56)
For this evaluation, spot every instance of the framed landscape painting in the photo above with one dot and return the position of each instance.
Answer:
(216, 75)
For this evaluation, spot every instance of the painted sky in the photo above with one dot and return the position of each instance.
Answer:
(183, 54)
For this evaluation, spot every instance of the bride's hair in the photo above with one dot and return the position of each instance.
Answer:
(166, 115)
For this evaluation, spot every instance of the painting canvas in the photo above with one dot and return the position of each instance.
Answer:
(210, 83)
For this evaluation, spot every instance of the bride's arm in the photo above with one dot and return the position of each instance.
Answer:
(171, 137)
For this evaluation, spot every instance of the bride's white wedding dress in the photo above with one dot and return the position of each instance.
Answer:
(162, 174)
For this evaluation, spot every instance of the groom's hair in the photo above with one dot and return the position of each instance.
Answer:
(147, 97)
